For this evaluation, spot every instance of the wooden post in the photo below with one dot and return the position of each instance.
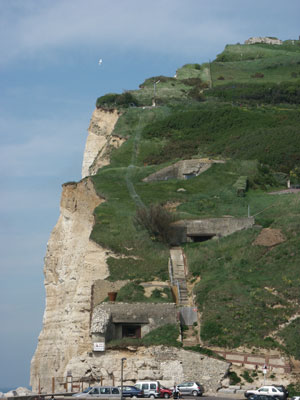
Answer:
(53, 384)
(39, 386)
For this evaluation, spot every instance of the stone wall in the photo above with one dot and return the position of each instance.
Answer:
(169, 365)
(101, 288)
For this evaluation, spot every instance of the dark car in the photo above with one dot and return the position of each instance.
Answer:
(283, 389)
(190, 389)
(132, 391)
(165, 392)
(260, 397)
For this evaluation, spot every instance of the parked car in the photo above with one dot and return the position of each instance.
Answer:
(131, 391)
(100, 391)
(278, 392)
(165, 392)
(259, 397)
(150, 388)
(190, 389)
(283, 389)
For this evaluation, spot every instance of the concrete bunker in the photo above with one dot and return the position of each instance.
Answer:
(184, 169)
(114, 321)
(200, 237)
(200, 230)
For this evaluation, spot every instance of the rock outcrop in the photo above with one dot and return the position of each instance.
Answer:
(72, 263)
(100, 141)
(266, 40)
(166, 364)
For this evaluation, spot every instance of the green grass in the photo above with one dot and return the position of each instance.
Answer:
(134, 292)
(291, 340)
(259, 141)
(166, 335)
(237, 308)
(237, 63)
(268, 134)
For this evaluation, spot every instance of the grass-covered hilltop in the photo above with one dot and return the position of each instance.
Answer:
(243, 108)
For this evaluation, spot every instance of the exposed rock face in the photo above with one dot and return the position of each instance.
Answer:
(266, 40)
(166, 364)
(72, 263)
(100, 141)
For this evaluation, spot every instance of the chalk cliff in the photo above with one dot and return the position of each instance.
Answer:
(72, 263)
(100, 141)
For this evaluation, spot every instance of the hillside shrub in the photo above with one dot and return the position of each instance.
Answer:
(234, 379)
(114, 100)
(257, 75)
(241, 185)
(247, 377)
(269, 93)
(196, 94)
(292, 342)
(156, 220)
(131, 292)
(161, 78)
(294, 389)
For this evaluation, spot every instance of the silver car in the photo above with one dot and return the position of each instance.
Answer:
(190, 389)
(100, 391)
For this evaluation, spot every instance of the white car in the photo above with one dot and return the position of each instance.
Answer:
(277, 392)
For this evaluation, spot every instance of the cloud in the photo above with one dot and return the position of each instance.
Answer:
(162, 26)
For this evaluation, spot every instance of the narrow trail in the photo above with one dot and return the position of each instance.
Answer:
(130, 169)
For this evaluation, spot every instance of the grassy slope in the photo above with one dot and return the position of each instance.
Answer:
(236, 306)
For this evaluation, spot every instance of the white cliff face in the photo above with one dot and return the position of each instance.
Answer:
(72, 263)
(100, 141)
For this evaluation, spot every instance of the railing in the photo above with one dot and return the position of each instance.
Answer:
(171, 271)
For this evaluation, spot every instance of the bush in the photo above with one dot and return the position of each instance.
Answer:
(132, 292)
(241, 185)
(269, 93)
(233, 378)
(247, 377)
(113, 100)
(156, 220)
(257, 75)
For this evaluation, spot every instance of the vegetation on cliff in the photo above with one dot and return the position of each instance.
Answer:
(243, 108)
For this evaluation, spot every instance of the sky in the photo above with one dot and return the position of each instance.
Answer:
(49, 82)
